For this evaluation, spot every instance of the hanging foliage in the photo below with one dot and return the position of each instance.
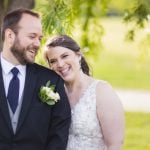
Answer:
(139, 15)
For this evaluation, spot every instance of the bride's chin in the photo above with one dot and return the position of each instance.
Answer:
(66, 79)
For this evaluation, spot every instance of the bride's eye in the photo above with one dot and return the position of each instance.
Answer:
(64, 56)
(52, 61)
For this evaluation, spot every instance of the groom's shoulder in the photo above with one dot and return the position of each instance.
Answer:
(43, 70)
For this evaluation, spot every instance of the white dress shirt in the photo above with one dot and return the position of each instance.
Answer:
(7, 76)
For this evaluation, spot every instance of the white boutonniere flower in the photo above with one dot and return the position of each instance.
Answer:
(47, 94)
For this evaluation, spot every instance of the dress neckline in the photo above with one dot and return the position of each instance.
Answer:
(82, 95)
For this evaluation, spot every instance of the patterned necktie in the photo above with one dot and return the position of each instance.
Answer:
(13, 90)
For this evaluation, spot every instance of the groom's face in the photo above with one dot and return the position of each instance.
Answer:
(27, 39)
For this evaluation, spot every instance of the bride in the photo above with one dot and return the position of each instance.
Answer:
(97, 114)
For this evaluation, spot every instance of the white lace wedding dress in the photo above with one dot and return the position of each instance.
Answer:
(85, 130)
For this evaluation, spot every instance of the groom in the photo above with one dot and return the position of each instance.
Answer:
(26, 123)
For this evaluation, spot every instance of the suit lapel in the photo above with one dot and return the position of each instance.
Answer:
(3, 101)
(30, 83)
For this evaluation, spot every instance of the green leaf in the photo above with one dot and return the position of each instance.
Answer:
(48, 84)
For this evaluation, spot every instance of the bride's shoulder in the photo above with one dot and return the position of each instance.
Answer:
(102, 83)
(104, 87)
(105, 93)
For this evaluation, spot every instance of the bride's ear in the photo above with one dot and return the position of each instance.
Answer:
(79, 54)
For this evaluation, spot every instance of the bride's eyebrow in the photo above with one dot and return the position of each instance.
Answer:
(65, 53)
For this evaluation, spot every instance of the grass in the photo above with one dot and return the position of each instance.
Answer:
(137, 131)
(122, 71)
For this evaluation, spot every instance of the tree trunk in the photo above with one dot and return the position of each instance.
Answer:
(8, 5)
(2, 12)
(13, 4)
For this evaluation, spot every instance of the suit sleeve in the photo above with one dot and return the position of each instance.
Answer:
(60, 121)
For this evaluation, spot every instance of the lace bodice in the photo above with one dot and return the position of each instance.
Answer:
(85, 131)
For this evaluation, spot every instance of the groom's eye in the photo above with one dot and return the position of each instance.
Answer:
(31, 37)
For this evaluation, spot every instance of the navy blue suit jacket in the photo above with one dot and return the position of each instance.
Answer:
(40, 126)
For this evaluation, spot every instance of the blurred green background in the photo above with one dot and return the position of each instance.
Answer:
(124, 64)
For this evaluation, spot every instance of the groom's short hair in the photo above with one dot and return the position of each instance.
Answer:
(12, 18)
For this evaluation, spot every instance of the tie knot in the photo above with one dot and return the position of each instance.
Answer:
(14, 71)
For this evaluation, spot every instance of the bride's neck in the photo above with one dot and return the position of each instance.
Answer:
(77, 84)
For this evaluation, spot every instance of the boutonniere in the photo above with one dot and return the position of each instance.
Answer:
(47, 94)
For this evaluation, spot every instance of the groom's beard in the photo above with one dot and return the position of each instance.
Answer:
(20, 52)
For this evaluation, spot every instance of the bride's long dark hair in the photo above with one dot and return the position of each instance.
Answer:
(67, 42)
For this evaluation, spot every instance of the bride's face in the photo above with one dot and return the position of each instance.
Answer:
(64, 62)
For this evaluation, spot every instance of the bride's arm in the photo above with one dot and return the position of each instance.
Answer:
(111, 116)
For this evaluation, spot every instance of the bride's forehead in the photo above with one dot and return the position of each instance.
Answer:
(60, 50)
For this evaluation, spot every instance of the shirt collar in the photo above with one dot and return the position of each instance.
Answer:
(7, 66)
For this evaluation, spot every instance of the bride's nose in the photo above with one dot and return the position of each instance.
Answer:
(60, 63)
